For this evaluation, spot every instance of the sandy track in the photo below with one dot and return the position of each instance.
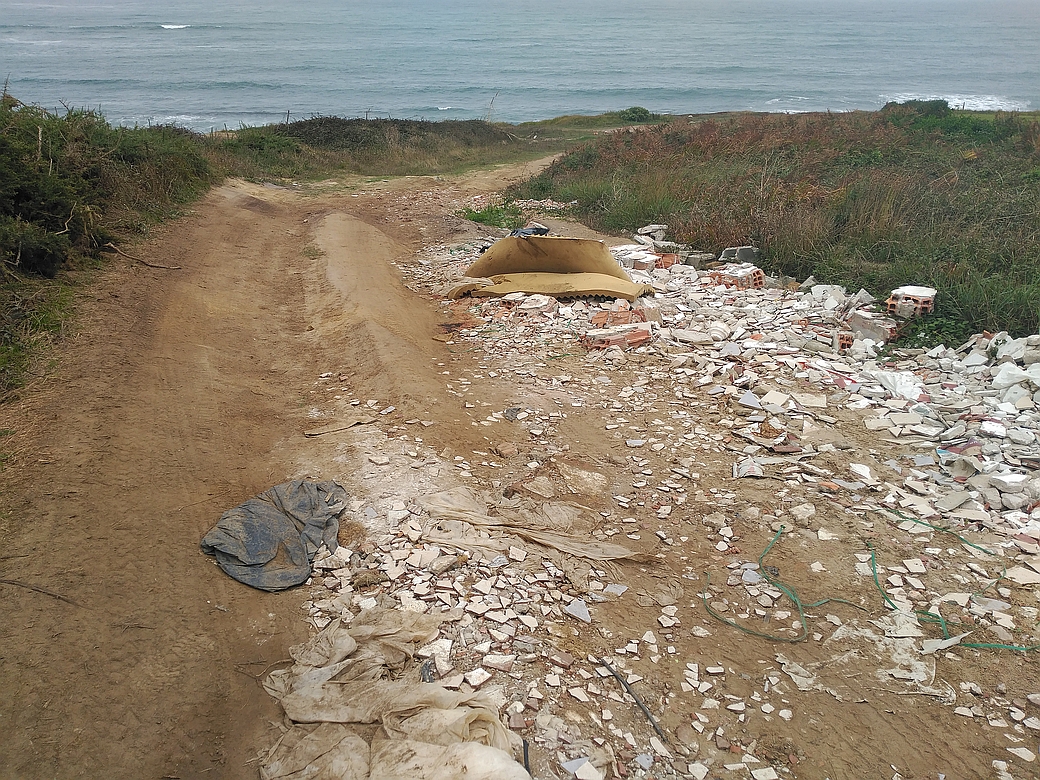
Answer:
(183, 393)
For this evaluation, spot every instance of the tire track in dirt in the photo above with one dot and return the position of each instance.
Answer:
(182, 394)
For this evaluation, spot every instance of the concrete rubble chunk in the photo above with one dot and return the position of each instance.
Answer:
(477, 677)
(1009, 483)
(578, 609)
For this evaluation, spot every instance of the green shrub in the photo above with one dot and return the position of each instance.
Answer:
(71, 182)
(636, 114)
(913, 194)
(32, 247)
(932, 108)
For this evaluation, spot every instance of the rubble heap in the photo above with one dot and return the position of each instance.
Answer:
(745, 418)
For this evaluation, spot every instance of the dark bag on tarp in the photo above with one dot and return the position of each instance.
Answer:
(269, 542)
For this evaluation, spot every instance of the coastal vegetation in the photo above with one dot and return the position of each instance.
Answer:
(916, 193)
(73, 186)
(913, 194)
(70, 186)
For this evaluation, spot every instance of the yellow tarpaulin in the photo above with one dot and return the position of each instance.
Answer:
(564, 286)
(547, 254)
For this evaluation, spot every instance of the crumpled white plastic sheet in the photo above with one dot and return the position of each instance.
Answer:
(541, 525)
(336, 689)
(901, 384)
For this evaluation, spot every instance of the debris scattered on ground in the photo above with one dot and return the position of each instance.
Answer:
(751, 421)
(425, 730)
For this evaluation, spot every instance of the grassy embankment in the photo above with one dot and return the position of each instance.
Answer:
(71, 184)
(913, 194)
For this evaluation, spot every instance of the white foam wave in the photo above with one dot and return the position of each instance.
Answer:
(965, 102)
(175, 26)
(32, 43)
(445, 108)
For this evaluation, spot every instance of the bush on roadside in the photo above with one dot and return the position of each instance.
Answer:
(913, 194)
(636, 114)
(70, 182)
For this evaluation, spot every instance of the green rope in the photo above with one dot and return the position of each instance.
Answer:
(785, 589)
(936, 619)
(997, 581)
(873, 569)
(989, 646)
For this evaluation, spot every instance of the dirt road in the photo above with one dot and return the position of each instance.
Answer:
(183, 393)
(126, 653)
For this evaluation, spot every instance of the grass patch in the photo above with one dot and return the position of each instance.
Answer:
(502, 215)
(312, 252)
(912, 194)
(35, 313)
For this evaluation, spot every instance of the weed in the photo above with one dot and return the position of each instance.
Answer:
(502, 215)
(933, 330)
(913, 194)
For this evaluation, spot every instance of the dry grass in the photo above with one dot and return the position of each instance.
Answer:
(906, 195)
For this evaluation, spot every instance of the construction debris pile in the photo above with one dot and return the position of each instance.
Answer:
(597, 605)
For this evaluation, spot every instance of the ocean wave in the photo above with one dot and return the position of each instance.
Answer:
(175, 26)
(32, 43)
(965, 102)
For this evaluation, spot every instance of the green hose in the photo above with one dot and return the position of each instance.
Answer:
(785, 589)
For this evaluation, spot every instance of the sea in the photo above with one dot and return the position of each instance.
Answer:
(214, 64)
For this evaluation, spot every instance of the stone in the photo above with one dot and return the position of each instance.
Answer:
(1014, 500)
(660, 748)
(1009, 483)
(578, 609)
(588, 772)
(437, 647)
(579, 694)
(1021, 436)
(1025, 754)
(453, 682)
(561, 659)
(803, 513)
(477, 677)
(444, 563)
(501, 663)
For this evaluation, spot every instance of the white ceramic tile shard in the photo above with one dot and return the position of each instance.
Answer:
(738, 376)
(477, 677)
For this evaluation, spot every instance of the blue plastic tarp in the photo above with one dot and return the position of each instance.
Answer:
(269, 541)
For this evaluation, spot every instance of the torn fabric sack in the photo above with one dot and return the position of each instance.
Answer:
(357, 675)
(269, 542)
